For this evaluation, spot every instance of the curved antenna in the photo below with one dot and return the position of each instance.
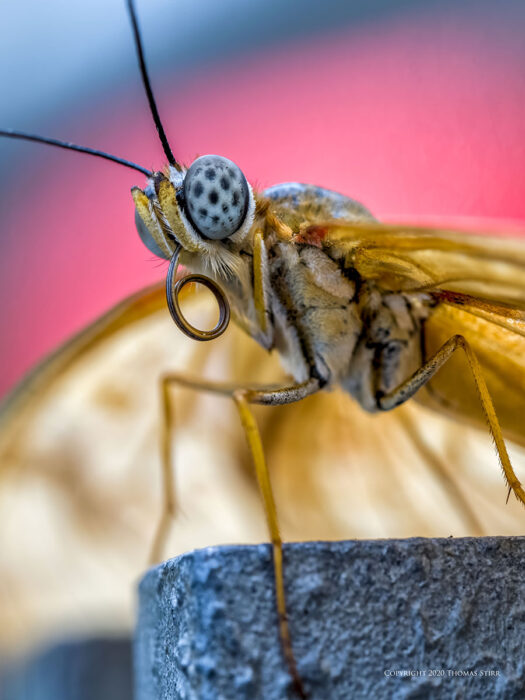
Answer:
(147, 87)
(22, 135)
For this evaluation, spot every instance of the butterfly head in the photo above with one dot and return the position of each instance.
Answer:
(207, 209)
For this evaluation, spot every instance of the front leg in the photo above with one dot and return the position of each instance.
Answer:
(242, 398)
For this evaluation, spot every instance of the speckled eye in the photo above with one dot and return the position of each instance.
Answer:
(216, 196)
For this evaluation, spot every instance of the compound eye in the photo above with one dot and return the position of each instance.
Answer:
(216, 196)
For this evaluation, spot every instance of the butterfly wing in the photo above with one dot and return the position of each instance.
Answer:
(403, 258)
(501, 353)
(80, 469)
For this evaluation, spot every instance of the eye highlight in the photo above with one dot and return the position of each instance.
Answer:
(216, 196)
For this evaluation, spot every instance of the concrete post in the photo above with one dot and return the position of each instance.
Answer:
(416, 618)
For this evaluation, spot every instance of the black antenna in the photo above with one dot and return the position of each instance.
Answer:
(147, 87)
(13, 134)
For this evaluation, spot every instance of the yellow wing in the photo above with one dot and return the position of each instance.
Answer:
(479, 287)
(80, 472)
(404, 258)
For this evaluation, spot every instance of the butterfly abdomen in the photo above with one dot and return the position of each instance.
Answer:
(390, 348)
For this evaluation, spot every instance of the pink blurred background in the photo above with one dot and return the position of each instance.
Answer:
(414, 108)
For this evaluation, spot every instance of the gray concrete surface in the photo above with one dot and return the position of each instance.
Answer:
(416, 618)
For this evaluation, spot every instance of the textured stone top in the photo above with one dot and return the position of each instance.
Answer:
(416, 618)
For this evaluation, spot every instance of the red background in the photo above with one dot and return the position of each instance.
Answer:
(419, 116)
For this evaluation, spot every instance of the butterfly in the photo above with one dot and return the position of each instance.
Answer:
(381, 312)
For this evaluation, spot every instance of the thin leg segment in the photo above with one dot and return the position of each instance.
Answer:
(408, 388)
(263, 479)
(169, 501)
(242, 398)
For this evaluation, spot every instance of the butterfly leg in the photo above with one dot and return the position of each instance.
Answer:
(169, 501)
(242, 397)
(409, 387)
(279, 397)
(168, 417)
